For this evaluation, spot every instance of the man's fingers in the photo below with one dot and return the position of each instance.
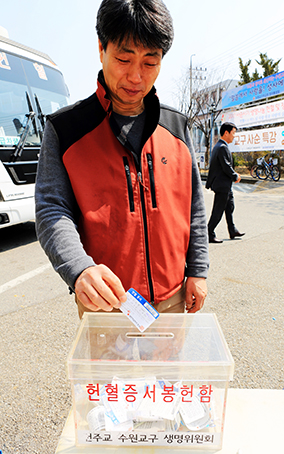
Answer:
(98, 287)
(110, 286)
(195, 306)
(196, 291)
(103, 296)
(86, 302)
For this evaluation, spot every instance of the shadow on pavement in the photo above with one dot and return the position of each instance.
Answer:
(17, 235)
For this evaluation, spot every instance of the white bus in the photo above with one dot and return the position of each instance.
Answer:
(31, 87)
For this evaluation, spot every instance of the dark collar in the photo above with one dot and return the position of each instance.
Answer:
(151, 102)
(103, 95)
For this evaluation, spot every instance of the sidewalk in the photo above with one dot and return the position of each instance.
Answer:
(245, 287)
(248, 179)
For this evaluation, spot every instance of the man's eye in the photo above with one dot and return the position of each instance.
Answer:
(122, 61)
(151, 64)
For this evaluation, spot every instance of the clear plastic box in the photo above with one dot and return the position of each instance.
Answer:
(164, 387)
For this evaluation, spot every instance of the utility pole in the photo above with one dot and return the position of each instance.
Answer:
(190, 78)
(212, 110)
(194, 76)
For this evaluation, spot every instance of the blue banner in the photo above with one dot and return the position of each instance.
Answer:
(259, 89)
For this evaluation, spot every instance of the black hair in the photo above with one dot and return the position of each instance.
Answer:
(146, 22)
(227, 127)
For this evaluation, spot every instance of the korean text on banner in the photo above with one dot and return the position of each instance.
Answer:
(259, 89)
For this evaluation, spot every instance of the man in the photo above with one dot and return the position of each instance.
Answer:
(220, 177)
(119, 201)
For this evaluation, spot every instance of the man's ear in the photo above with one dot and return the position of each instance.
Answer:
(101, 51)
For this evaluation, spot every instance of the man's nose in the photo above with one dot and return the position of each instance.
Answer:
(135, 74)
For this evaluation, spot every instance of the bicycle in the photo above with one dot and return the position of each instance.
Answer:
(268, 169)
(256, 166)
(253, 171)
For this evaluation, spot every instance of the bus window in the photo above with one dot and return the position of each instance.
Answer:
(49, 101)
(44, 77)
(48, 86)
(13, 114)
(14, 104)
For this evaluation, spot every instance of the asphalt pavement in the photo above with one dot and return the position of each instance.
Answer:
(245, 291)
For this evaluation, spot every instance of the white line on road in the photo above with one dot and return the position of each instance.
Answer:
(23, 278)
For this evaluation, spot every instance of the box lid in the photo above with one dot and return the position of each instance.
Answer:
(174, 347)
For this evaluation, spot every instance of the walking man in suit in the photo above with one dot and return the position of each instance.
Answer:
(220, 177)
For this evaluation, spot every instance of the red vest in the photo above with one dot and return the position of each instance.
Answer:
(143, 240)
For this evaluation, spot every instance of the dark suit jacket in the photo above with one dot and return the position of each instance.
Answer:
(221, 173)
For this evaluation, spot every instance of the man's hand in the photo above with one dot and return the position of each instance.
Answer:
(239, 178)
(98, 287)
(195, 293)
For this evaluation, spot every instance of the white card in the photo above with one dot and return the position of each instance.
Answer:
(138, 310)
(192, 411)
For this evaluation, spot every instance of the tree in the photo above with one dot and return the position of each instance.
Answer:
(268, 65)
(202, 105)
(256, 75)
(244, 67)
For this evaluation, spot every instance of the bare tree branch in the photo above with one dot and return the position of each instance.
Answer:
(204, 104)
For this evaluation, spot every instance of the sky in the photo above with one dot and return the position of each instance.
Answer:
(212, 34)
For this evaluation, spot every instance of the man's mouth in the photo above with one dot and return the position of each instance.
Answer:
(131, 91)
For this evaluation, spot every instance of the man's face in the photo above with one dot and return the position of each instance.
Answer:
(229, 136)
(130, 72)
